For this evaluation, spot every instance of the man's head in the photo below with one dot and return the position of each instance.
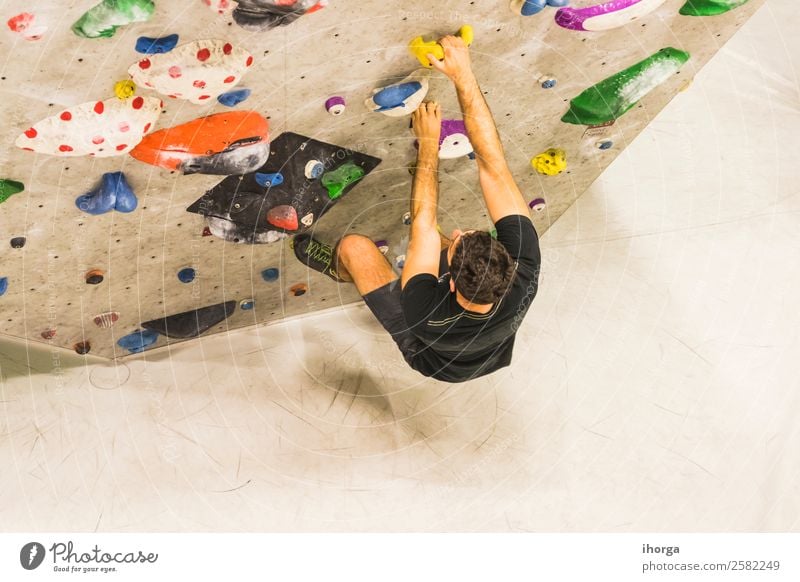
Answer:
(480, 267)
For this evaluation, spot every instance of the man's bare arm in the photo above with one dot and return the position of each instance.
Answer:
(502, 195)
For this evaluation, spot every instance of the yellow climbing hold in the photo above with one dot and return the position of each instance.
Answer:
(550, 162)
(420, 48)
(124, 89)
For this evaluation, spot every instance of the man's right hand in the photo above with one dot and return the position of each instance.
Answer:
(456, 63)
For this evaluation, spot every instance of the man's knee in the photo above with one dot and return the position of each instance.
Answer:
(354, 246)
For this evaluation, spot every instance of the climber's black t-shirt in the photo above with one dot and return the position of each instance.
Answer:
(460, 344)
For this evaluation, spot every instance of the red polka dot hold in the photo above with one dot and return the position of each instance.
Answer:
(203, 54)
(99, 107)
(97, 140)
(124, 126)
(66, 116)
(199, 84)
(228, 48)
(175, 71)
(144, 64)
(230, 79)
(31, 133)
(202, 97)
(249, 61)
(64, 148)
(138, 102)
(147, 128)
(121, 147)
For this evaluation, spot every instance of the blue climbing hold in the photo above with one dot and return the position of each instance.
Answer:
(548, 83)
(113, 193)
(531, 7)
(233, 98)
(268, 180)
(247, 304)
(395, 95)
(152, 46)
(3, 285)
(187, 275)
(270, 275)
(137, 341)
(558, 3)
(605, 145)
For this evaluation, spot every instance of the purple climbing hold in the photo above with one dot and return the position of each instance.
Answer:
(537, 204)
(113, 193)
(335, 105)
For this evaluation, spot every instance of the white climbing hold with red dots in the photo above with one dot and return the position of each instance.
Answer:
(198, 71)
(96, 128)
(23, 24)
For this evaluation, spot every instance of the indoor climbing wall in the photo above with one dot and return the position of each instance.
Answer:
(157, 156)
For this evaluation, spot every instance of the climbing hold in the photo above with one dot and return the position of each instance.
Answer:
(97, 128)
(400, 261)
(314, 169)
(82, 348)
(17, 242)
(236, 142)
(124, 89)
(605, 144)
(259, 15)
(152, 46)
(197, 71)
(270, 275)
(407, 219)
(113, 193)
(207, 231)
(527, 7)
(308, 219)
(187, 275)
(8, 188)
(269, 180)
(547, 81)
(550, 162)
(402, 98)
(23, 25)
(453, 140)
(298, 289)
(107, 319)
(48, 334)
(611, 98)
(233, 98)
(219, 6)
(283, 216)
(103, 19)
(247, 304)
(335, 105)
(383, 246)
(421, 48)
(337, 180)
(493, 233)
(709, 7)
(3, 285)
(94, 277)
(137, 341)
(537, 204)
(192, 323)
(605, 16)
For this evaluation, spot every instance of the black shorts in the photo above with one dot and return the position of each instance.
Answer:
(384, 303)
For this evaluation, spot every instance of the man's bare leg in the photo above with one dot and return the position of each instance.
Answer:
(360, 261)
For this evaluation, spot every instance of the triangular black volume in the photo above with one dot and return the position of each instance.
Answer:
(191, 324)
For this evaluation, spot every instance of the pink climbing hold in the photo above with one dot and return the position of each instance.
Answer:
(23, 25)
(174, 72)
(283, 216)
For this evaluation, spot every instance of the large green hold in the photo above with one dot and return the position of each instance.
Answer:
(104, 19)
(709, 7)
(340, 178)
(8, 188)
(612, 97)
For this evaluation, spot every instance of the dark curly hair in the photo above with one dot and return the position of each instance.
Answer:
(481, 268)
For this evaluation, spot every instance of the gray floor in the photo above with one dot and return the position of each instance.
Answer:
(654, 386)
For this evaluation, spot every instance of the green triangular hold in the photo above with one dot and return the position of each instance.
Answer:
(709, 7)
(8, 188)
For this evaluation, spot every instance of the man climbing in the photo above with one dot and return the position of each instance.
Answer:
(456, 308)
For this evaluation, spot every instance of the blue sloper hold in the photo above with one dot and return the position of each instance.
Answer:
(137, 341)
(113, 193)
(3, 285)
(268, 180)
(395, 95)
(233, 98)
(152, 46)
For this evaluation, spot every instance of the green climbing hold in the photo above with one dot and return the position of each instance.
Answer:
(611, 98)
(709, 7)
(104, 19)
(8, 188)
(337, 180)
